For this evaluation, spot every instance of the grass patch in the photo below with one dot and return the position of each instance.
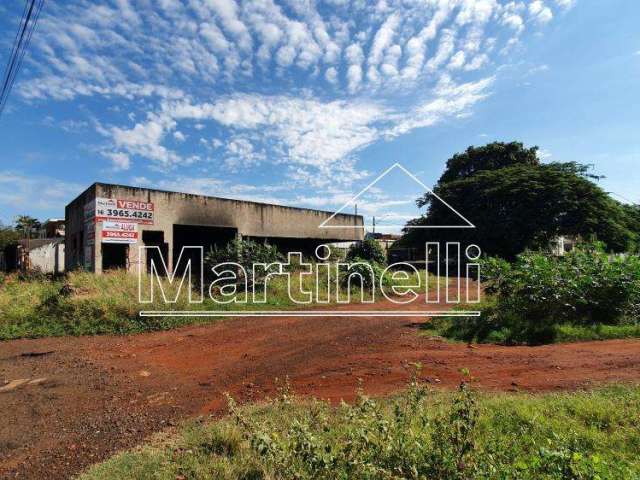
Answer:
(419, 434)
(488, 329)
(81, 303)
(576, 333)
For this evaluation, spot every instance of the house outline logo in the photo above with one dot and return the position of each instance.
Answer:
(467, 224)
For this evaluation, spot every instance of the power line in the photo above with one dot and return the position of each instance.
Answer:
(27, 26)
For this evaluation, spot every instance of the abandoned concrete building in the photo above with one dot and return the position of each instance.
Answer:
(107, 223)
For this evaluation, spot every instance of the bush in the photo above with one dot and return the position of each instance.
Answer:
(8, 236)
(362, 270)
(539, 291)
(368, 249)
(418, 434)
(369, 439)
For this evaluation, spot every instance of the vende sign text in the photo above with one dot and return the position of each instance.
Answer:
(129, 210)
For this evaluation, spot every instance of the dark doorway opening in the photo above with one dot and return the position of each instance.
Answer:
(114, 255)
(155, 238)
(201, 236)
(11, 257)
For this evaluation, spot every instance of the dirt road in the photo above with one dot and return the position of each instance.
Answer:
(89, 397)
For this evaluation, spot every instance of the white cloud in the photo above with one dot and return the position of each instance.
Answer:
(354, 53)
(514, 21)
(286, 55)
(215, 37)
(205, 185)
(445, 49)
(539, 12)
(119, 160)
(319, 137)
(383, 38)
(145, 139)
(179, 136)
(331, 75)
(227, 12)
(40, 193)
(240, 153)
(450, 100)
(457, 61)
(544, 154)
(538, 69)
(565, 4)
(476, 62)
(476, 11)
(172, 49)
(354, 75)
(310, 131)
(294, 82)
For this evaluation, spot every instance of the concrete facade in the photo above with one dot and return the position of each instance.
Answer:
(185, 219)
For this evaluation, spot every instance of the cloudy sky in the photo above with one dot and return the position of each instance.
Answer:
(304, 102)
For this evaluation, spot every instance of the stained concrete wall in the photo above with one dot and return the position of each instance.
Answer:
(170, 208)
(75, 234)
(48, 258)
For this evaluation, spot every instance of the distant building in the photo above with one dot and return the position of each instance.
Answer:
(42, 254)
(52, 228)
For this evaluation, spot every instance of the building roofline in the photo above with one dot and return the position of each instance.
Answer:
(103, 184)
(77, 197)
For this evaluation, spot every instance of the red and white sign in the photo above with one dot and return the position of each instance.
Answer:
(124, 210)
(119, 232)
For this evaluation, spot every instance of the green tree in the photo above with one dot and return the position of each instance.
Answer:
(8, 236)
(488, 157)
(27, 225)
(522, 205)
(632, 213)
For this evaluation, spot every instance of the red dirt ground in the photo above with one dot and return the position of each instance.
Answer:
(103, 394)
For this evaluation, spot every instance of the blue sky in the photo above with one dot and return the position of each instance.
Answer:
(306, 102)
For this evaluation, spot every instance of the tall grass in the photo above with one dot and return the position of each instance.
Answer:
(82, 303)
(420, 434)
(78, 304)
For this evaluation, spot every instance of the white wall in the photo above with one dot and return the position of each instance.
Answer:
(48, 258)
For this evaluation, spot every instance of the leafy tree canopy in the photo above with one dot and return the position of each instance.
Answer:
(27, 225)
(518, 203)
(8, 236)
(488, 157)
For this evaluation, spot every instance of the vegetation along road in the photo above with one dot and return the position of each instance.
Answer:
(78, 400)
